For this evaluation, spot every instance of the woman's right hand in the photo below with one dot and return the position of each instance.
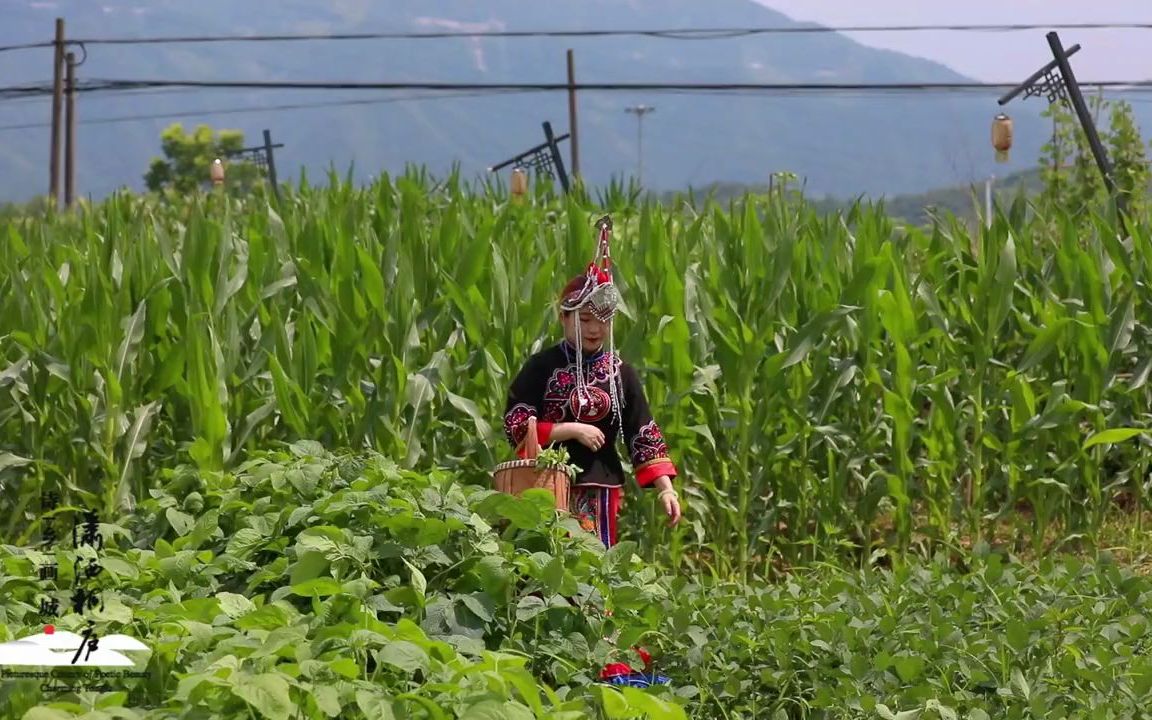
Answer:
(587, 435)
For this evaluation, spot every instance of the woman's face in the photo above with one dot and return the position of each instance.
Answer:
(593, 331)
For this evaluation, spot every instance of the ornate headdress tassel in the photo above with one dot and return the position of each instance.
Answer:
(599, 296)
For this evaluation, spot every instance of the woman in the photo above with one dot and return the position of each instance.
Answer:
(585, 398)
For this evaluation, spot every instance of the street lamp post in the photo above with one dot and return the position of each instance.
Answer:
(519, 184)
(640, 111)
(217, 173)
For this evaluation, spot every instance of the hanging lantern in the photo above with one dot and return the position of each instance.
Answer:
(217, 172)
(519, 184)
(1002, 136)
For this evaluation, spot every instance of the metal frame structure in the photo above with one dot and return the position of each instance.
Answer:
(543, 158)
(262, 157)
(1057, 82)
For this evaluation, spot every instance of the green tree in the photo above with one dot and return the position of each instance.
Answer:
(1129, 160)
(1052, 158)
(188, 158)
(1070, 175)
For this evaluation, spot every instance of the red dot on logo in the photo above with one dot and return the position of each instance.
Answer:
(49, 629)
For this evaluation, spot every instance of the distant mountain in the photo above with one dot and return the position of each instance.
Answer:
(842, 144)
(965, 201)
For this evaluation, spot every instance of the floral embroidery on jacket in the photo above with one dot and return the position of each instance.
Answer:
(516, 422)
(648, 444)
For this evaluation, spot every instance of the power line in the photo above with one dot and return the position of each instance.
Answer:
(672, 34)
(845, 94)
(141, 86)
(668, 34)
(160, 86)
(27, 46)
(42, 92)
(100, 85)
(240, 111)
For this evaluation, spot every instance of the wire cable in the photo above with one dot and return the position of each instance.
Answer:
(26, 46)
(97, 86)
(843, 95)
(240, 111)
(556, 86)
(673, 34)
(668, 34)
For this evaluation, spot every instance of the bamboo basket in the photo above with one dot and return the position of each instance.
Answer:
(516, 476)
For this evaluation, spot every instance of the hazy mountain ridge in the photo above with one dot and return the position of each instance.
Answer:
(843, 145)
(965, 201)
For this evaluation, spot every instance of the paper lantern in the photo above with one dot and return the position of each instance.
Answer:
(519, 184)
(217, 172)
(1002, 136)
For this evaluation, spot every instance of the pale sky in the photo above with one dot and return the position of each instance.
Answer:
(1122, 55)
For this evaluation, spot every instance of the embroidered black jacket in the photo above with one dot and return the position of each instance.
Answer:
(546, 389)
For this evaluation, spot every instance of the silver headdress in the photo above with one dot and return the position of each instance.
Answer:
(599, 296)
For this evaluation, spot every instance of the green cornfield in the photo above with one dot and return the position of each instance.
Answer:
(830, 385)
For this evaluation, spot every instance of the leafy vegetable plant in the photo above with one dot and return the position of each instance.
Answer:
(311, 585)
(556, 458)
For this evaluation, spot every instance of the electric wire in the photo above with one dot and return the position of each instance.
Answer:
(247, 110)
(349, 102)
(97, 85)
(670, 34)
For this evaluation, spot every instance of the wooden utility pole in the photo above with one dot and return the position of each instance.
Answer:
(575, 142)
(57, 101)
(70, 136)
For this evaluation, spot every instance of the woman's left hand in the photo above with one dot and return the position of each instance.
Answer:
(669, 499)
(672, 508)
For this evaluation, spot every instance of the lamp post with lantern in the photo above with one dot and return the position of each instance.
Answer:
(519, 185)
(1057, 82)
(217, 173)
(1002, 144)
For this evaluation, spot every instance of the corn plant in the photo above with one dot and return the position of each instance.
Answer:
(828, 383)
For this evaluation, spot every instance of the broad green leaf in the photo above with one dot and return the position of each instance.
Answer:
(46, 713)
(181, 522)
(234, 605)
(404, 655)
(553, 574)
(614, 704)
(478, 606)
(496, 710)
(318, 587)
(328, 700)
(244, 543)
(529, 607)
(651, 706)
(418, 582)
(1020, 684)
(311, 565)
(375, 705)
(1044, 344)
(909, 668)
(10, 460)
(267, 693)
(1112, 436)
(346, 667)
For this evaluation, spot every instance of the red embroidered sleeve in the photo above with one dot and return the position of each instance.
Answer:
(525, 399)
(646, 447)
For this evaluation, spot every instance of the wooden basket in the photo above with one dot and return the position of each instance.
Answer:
(516, 476)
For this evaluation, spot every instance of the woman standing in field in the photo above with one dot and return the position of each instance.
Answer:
(585, 398)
